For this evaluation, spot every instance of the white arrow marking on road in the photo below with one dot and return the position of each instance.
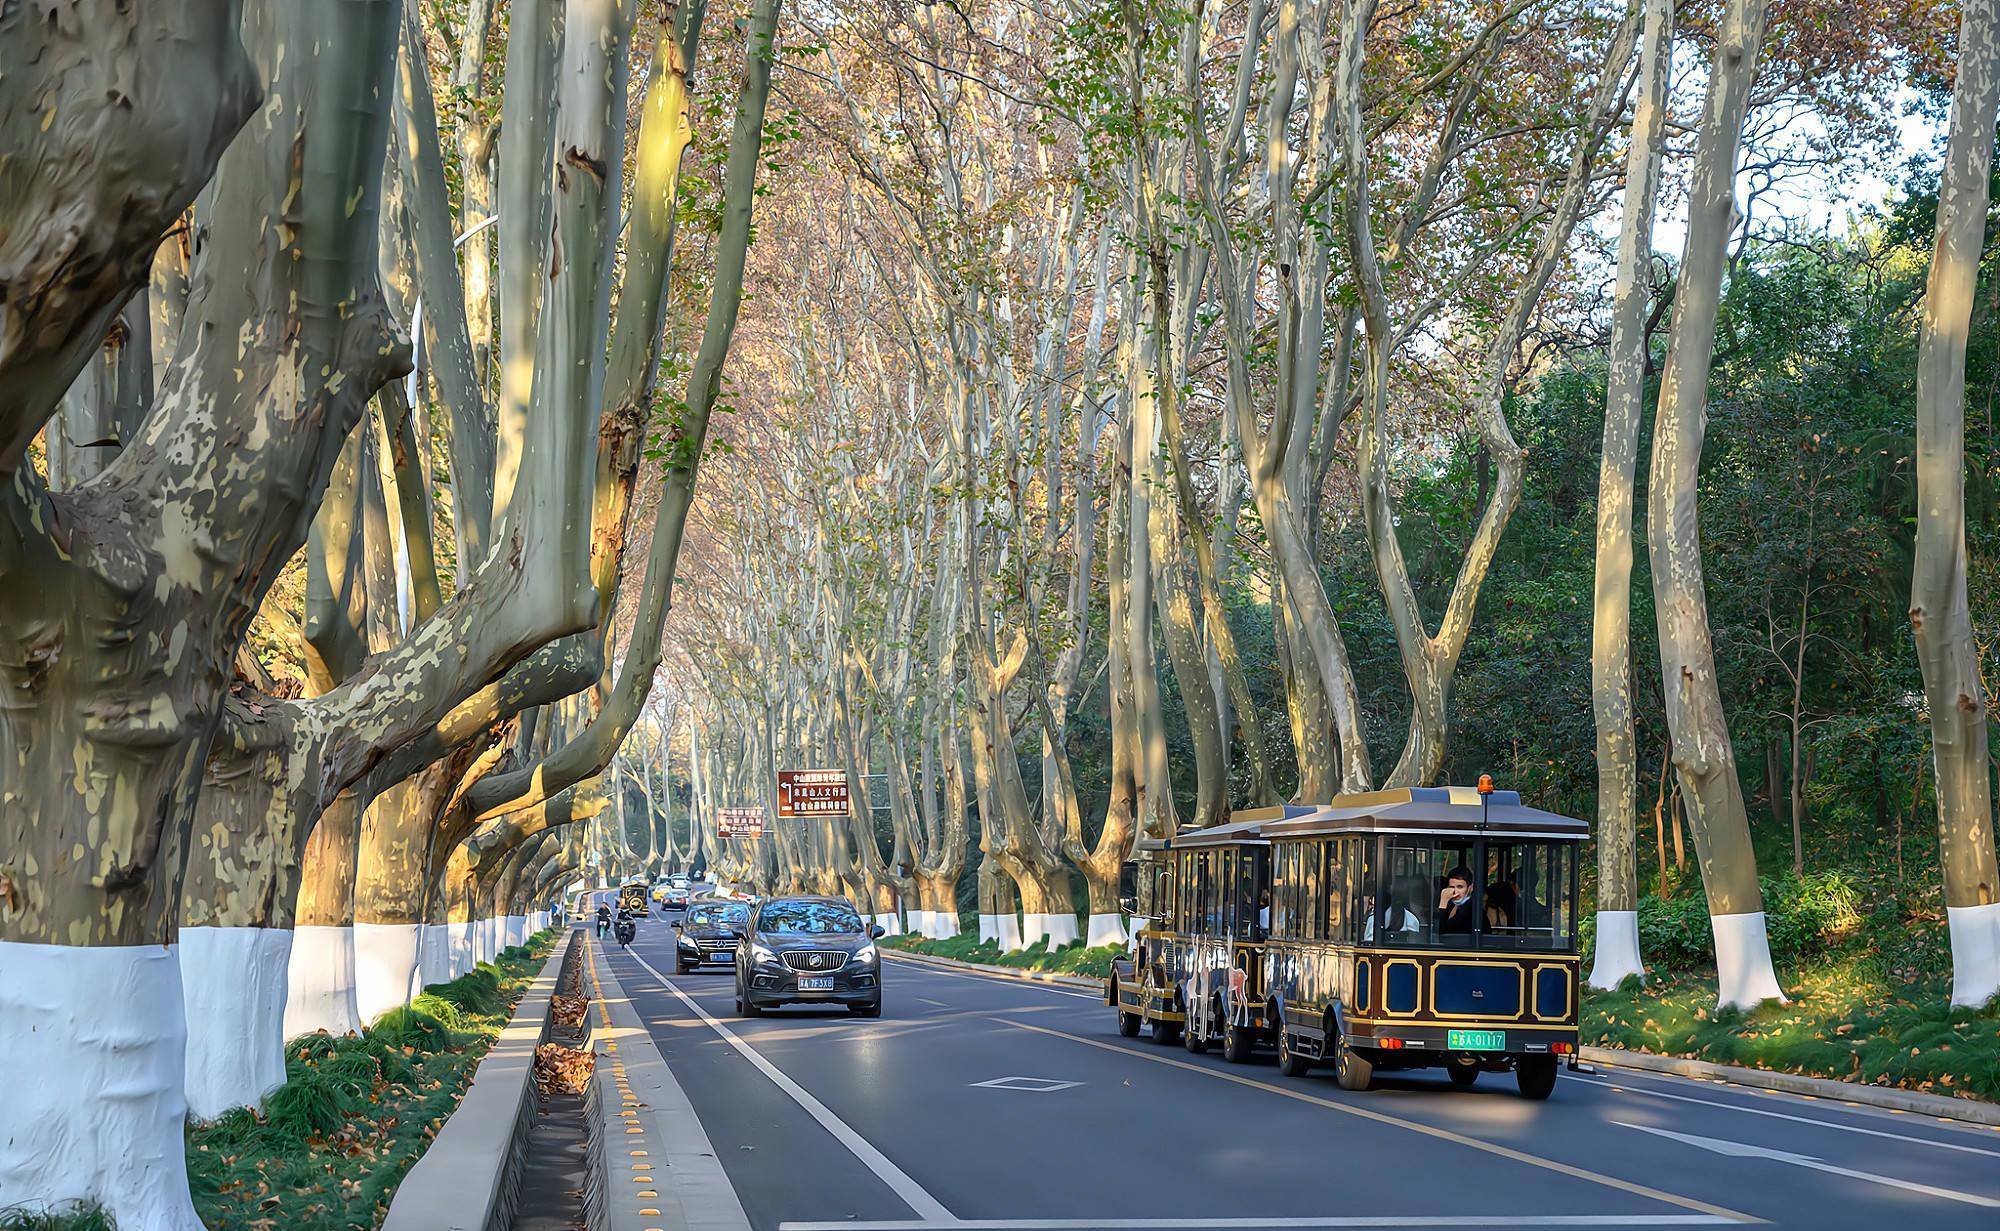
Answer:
(1738, 1149)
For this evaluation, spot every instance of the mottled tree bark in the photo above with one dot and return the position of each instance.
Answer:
(1940, 615)
(1617, 955)
(1704, 759)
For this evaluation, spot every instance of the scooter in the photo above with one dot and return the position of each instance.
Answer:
(626, 929)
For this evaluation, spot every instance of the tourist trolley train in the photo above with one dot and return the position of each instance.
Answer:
(1417, 928)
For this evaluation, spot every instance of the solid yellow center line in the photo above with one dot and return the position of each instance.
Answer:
(1442, 1134)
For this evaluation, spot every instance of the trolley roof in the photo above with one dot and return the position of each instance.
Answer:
(1431, 810)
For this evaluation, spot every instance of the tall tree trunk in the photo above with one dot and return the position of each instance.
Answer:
(1703, 755)
(1617, 957)
(1940, 614)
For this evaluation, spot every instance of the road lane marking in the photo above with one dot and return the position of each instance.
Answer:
(1738, 1149)
(927, 1208)
(1027, 1085)
(1275, 1224)
(1428, 1130)
(1780, 1115)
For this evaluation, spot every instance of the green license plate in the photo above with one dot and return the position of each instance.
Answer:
(1476, 1040)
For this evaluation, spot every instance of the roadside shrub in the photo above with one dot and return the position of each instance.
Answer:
(73, 1218)
(432, 1004)
(309, 1104)
(476, 991)
(1801, 914)
(405, 1026)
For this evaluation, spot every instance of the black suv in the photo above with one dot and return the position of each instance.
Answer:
(808, 951)
(709, 933)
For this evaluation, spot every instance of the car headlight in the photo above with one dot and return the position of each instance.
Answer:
(760, 953)
(687, 942)
(865, 953)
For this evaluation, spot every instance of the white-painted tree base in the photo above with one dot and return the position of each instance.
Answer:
(890, 923)
(233, 990)
(434, 955)
(989, 928)
(934, 924)
(92, 1082)
(1744, 976)
(1056, 929)
(516, 931)
(1975, 953)
(1008, 928)
(1104, 930)
(1139, 924)
(1617, 957)
(458, 943)
(385, 967)
(319, 982)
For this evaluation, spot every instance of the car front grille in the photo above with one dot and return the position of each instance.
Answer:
(817, 961)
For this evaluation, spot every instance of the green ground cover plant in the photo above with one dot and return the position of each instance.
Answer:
(1844, 1022)
(1070, 959)
(1863, 957)
(354, 1114)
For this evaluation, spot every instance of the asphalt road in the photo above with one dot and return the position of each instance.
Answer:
(981, 1102)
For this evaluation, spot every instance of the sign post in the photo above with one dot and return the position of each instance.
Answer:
(812, 792)
(739, 822)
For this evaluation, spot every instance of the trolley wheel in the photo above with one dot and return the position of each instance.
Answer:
(1351, 1069)
(1128, 1024)
(1237, 1041)
(1462, 1075)
(1290, 1062)
(1536, 1075)
(1164, 1032)
(1196, 1041)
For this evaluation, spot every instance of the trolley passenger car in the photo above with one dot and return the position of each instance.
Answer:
(1398, 929)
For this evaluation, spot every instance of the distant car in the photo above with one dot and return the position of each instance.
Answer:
(808, 950)
(709, 933)
(674, 897)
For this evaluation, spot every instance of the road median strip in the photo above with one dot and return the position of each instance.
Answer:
(469, 1178)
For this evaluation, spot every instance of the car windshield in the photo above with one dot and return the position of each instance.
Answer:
(717, 916)
(809, 918)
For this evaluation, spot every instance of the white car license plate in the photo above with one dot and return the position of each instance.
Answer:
(815, 983)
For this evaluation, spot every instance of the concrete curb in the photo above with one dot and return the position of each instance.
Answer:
(470, 1176)
(652, 1166)
(1007, 972)
(1888, 1097)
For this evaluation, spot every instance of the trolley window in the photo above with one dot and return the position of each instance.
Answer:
(1530, 891)
(1472, 892)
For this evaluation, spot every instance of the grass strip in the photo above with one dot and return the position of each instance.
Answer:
(1070, 959)
(355, 1113)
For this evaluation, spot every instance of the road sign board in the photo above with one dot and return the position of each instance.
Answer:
(812, 792)
(740, 822)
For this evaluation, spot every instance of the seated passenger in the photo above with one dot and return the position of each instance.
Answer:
(1503, 905)
(1455, 902)
(1392, 918)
